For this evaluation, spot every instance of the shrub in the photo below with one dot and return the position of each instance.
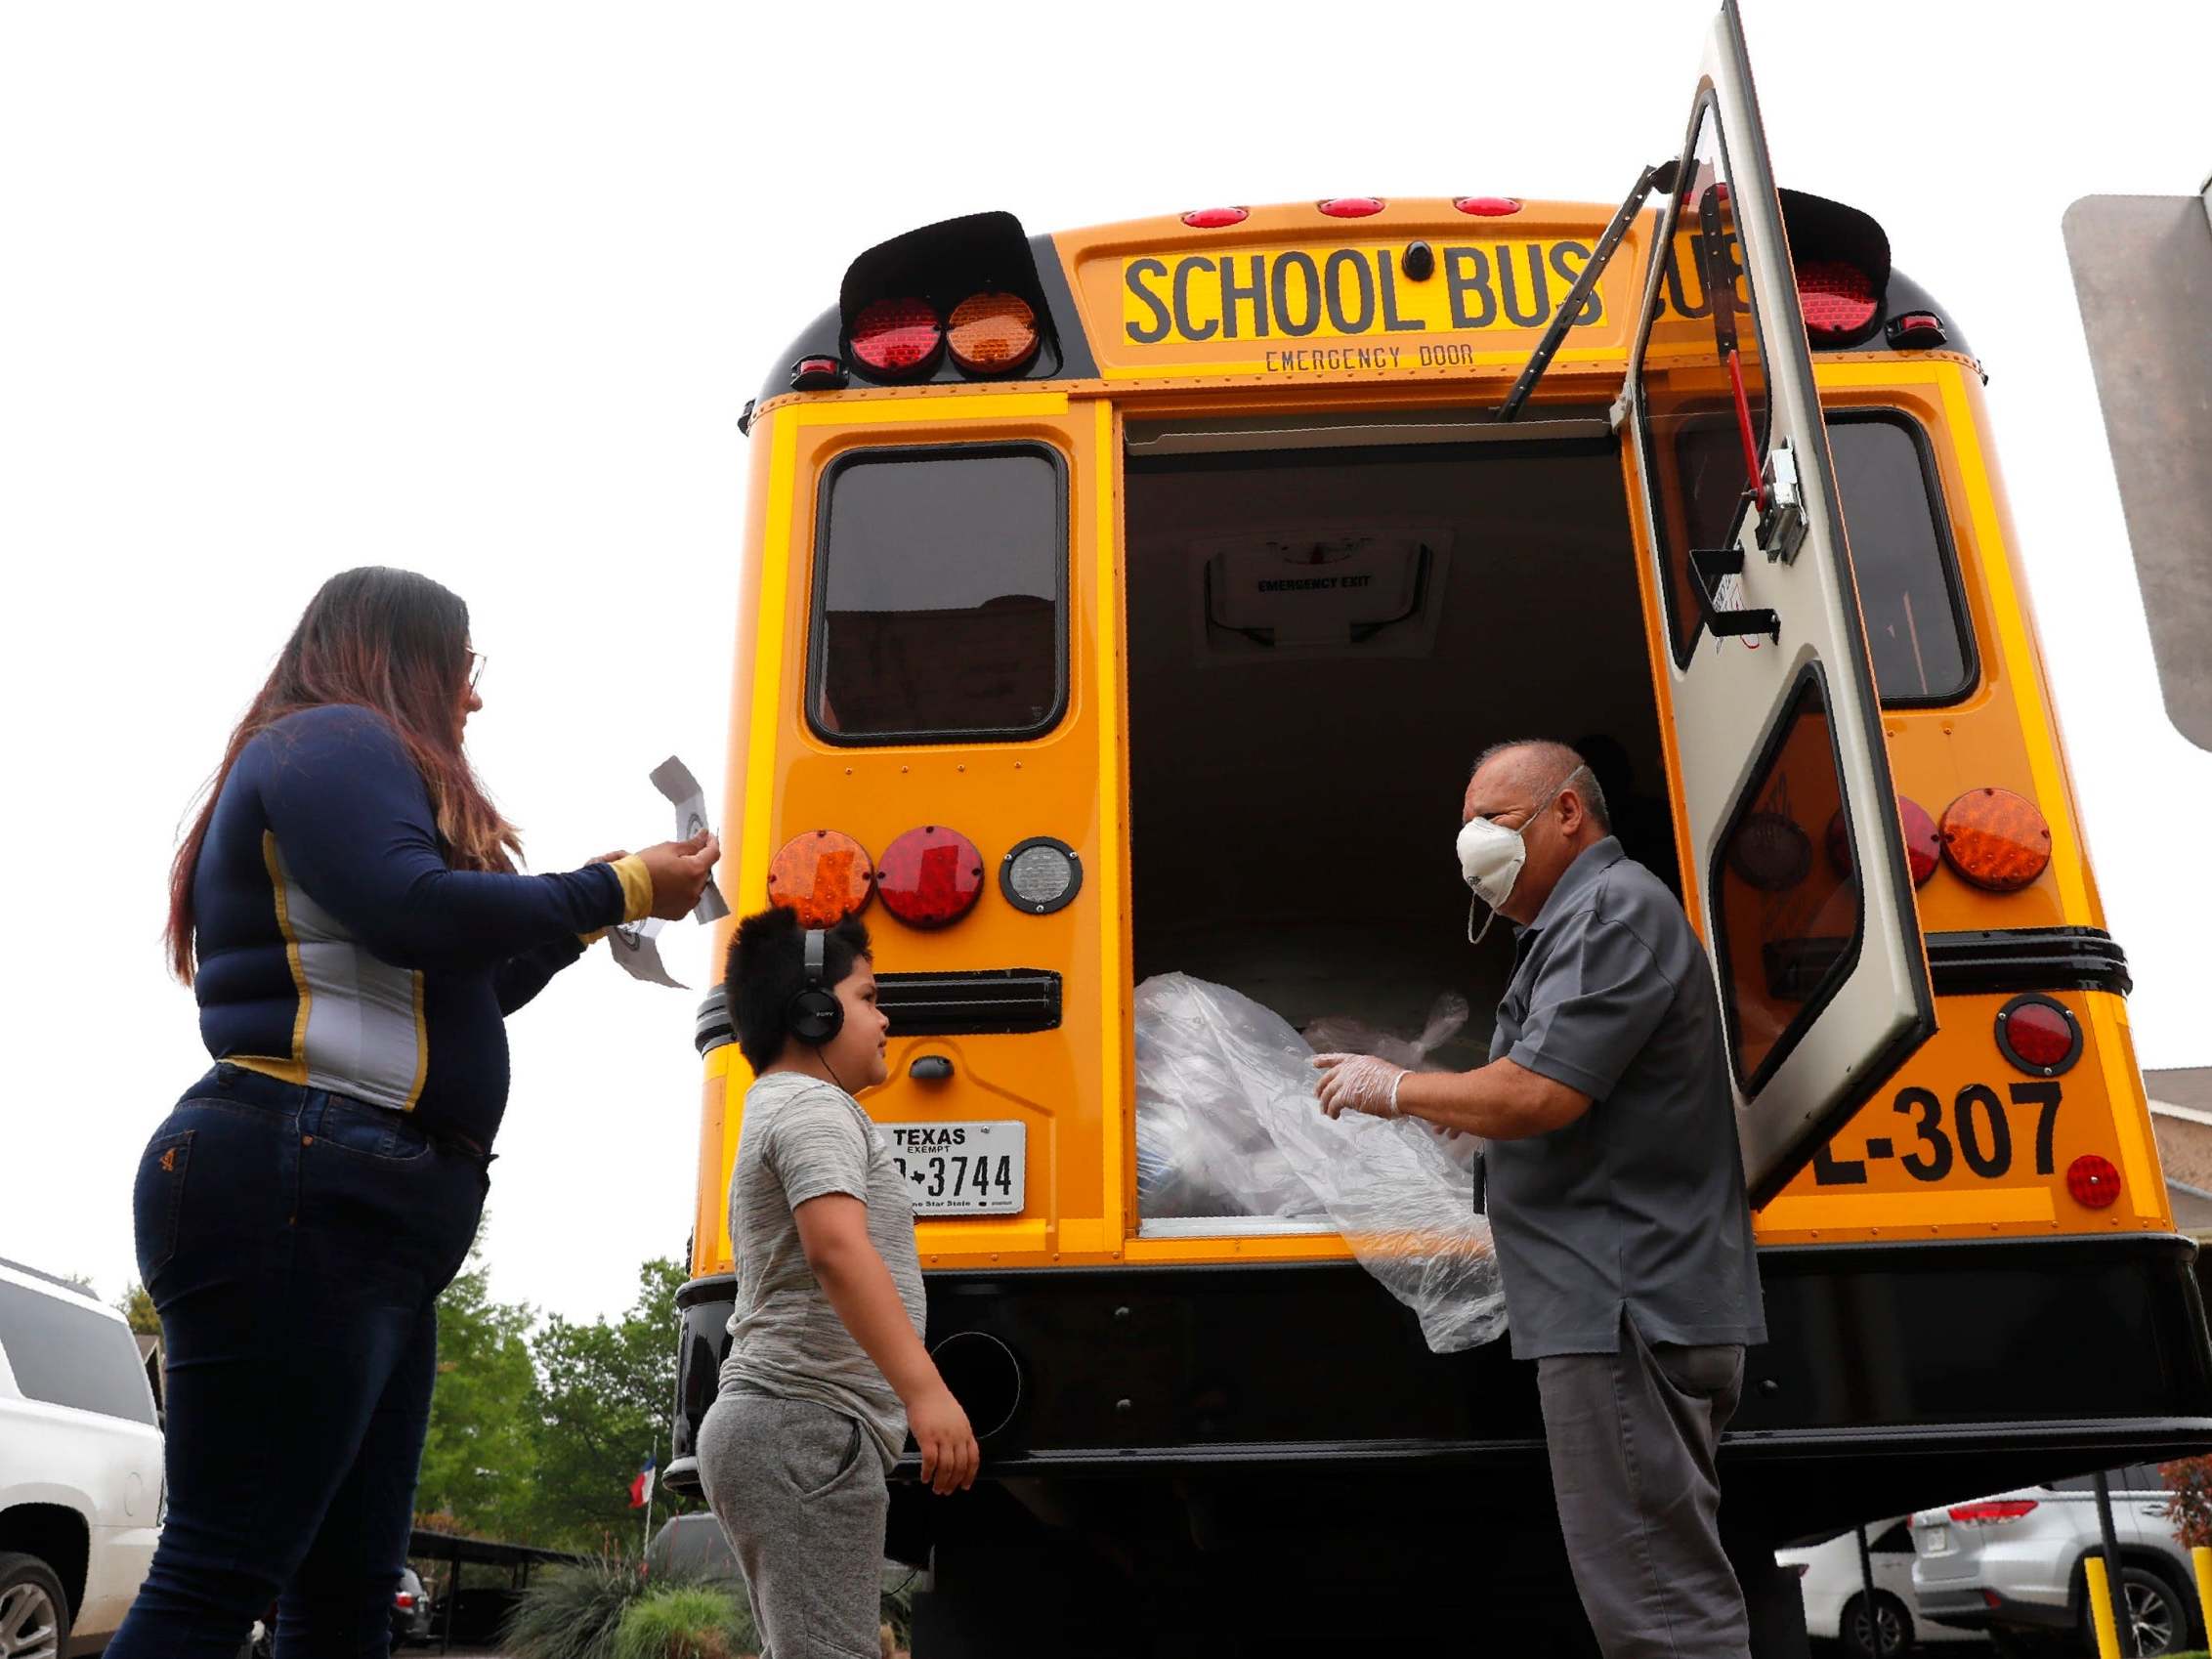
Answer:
(689, 1622)
(575, 1613)
(2189, 1481)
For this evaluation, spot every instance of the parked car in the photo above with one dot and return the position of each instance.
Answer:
(81, 1490)
(2015, 1562)
(1834, 1592)
(692, 1547)
(410, 1610)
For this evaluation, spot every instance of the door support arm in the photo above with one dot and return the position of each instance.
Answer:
(1662, 178)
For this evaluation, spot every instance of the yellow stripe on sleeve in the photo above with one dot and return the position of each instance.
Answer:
(637, 888)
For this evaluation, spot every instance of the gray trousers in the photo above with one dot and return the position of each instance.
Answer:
(799, 1489)
(1632, 1436)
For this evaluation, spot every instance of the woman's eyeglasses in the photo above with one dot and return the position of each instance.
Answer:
(477, 660)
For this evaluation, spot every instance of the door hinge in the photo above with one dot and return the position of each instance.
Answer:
(1781, 521)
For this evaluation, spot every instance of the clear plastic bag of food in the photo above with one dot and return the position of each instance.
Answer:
(1227, 1116)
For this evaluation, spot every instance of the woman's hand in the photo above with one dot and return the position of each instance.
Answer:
(949, 1456)
(680, 871)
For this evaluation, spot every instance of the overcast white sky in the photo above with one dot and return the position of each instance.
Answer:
(481, 289)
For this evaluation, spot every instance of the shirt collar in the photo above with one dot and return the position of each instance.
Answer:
(1576, 880)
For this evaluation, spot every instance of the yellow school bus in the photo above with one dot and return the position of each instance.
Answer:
(1132, 600)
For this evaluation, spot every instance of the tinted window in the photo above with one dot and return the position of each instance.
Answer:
(66, 1352)
(1901, 555)
(1693, 439)
(939, 580)
(1787, 912)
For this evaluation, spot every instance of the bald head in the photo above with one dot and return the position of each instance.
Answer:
(1548, 792)
(1540, 766)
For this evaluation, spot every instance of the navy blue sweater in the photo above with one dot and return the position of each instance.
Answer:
(338, 950)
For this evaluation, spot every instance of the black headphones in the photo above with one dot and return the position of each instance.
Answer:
(814, 1015)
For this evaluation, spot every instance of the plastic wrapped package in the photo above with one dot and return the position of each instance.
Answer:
(1338, 1034)
(1230, 1124)
(1202, 1149)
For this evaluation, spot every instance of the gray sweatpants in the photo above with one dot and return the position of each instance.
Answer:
(1632, 1436)
(799, 1490)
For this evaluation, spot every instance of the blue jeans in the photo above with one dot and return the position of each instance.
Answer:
(295, 1243)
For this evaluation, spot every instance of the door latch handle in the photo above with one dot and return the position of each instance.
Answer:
(1781, 514)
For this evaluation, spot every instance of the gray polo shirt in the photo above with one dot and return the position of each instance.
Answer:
(1639, 1204)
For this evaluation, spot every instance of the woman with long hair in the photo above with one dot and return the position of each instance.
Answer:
(347, 909)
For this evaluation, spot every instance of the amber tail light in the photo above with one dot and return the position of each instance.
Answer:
(824, 876)
(1996, 839)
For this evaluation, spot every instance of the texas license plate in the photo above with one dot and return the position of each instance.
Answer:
(961, 1168)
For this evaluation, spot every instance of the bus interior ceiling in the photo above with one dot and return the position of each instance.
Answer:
(1321, 640)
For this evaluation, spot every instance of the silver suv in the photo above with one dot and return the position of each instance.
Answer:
(2015, 1562)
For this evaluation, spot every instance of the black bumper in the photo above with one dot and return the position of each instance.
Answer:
(1912, 1374)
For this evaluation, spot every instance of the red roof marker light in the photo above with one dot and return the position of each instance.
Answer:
(1838, 300)
(1352, 206)
(1487, 206)
(894, 338)
(1215, 218)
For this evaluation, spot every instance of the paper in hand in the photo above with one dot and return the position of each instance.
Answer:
(636, 946)
(674, 779)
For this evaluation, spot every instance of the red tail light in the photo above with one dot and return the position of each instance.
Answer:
(1924, 848)
(930, 876)
(404, 1600)
(1838, 299)
(1487, 206)
(1215, 218)
(1992, 1511)
(992, 334)
(824, 876)
(2093, 1181)
(1352, 206)
(898, 338)
(1996, 839)
(2038, 1035)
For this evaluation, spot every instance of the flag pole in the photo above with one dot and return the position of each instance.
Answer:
(652, 1479)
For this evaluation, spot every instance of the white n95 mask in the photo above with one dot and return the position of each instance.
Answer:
(1491, 857)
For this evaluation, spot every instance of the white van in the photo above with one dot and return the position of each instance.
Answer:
(81, 1491)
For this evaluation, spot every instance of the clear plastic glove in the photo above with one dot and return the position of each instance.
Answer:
(1358, 1083)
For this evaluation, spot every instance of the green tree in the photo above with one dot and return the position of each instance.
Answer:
(480, 1459)
(606, 1391)
(137, 1307)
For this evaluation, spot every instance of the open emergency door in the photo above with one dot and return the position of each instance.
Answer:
(1795, 851)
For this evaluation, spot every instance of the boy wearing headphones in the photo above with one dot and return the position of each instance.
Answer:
(826, 1369)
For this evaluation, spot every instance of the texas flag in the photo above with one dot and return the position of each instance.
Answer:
(642, 1484)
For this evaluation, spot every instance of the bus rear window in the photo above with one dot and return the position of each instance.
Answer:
(1901, 554)
(940, 576)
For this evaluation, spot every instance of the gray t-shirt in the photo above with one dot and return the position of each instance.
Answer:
(1639, 1204)
(804, 1138)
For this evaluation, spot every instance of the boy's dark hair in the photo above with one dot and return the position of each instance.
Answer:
(767, 968)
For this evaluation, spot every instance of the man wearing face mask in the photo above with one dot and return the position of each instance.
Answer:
(1615, 1194)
